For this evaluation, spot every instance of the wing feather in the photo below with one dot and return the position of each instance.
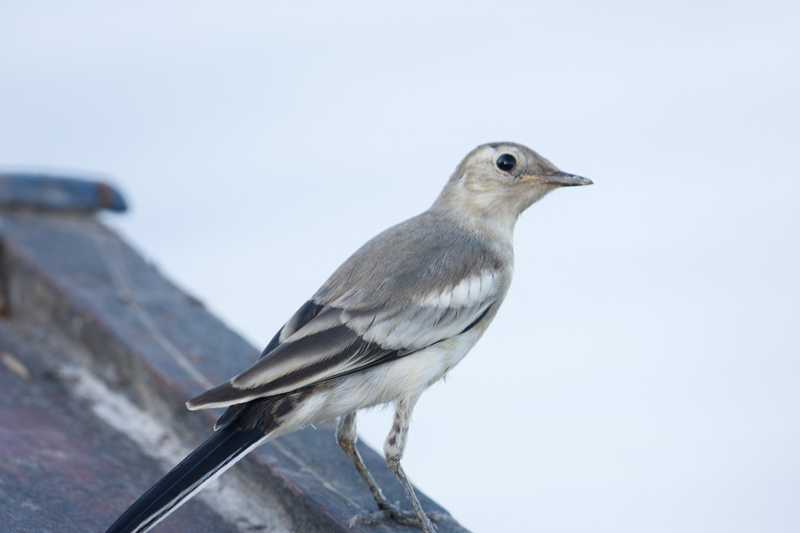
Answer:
(338, 342)
(430, 293)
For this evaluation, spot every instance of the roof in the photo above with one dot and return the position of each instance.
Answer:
(98, 353)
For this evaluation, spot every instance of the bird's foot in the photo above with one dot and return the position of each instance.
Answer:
(393, 512)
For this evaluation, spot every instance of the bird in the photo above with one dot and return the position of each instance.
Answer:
(391, 321)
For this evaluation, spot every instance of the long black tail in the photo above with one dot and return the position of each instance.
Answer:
(200, 467)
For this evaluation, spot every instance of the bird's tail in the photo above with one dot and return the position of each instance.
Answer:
(200, 467)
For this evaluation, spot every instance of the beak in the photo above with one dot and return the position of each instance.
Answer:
(563, 179)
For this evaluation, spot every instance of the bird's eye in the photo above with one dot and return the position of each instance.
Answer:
(506, 162)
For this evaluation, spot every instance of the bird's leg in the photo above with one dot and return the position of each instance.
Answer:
(394, 447)
(347, 437)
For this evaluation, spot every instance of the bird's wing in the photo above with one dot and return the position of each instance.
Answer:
(341, 340)
(406, 289)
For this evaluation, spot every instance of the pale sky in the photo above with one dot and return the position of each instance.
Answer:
(642, 375)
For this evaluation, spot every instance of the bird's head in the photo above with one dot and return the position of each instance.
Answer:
(501, 180)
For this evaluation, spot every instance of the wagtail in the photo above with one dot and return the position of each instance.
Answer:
(390, 322)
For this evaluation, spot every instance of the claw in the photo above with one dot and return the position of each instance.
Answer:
(393, 512)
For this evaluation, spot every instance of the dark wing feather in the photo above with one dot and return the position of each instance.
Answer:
(302, 316)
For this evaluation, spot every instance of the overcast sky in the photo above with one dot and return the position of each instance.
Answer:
(643, 372)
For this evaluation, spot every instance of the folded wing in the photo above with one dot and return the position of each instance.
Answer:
(344, 336)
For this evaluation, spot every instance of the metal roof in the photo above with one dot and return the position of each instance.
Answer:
(98, 353)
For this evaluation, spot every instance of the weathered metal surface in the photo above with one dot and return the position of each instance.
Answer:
(61, 470)
(148, 340)
(41, 191)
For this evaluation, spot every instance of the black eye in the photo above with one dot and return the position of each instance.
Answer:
(506, 162)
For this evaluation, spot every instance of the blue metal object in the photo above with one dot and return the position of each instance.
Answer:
(40, 191)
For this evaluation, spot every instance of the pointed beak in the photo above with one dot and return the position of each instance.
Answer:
(563, 179)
